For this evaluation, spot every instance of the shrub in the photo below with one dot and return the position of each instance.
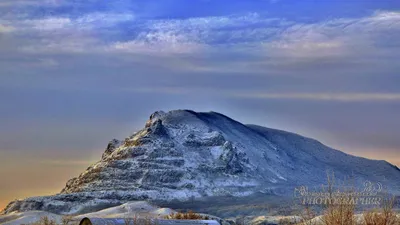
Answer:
(186, 216)
(287, 221)
(343, 213)
(45, 221)
(66, 220)
(383, 216)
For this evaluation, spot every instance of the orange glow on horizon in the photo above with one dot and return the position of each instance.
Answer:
(390, 155)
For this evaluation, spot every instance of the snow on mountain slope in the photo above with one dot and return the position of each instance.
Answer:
(184, 154)
(140, 209)
(311, 158)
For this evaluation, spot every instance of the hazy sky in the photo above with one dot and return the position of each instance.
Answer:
(75, 74)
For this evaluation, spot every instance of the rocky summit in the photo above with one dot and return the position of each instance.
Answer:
(185, 155)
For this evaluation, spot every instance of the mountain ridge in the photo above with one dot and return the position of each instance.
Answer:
(312, 139)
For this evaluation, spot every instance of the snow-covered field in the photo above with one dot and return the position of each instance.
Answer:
(18, 218)
(141, 209)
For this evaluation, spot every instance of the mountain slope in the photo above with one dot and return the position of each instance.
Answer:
(184, 155)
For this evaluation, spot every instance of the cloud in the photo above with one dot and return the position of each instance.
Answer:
(338, 97)
(247, 34)
(150, 36)
(88, 21)
(8, 3)
(104, 19)
(353, 39)
(158, 43)
(343, 97)
(6, 29)
(246, 43)
(338, 38)
(62, 43)
(50, 23)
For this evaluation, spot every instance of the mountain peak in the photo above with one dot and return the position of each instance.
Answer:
(157, 114)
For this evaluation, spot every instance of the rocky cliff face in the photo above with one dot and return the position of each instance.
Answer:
(175, 152)
(184, 154)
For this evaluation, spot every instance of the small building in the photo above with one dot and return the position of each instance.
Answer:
(141, 221)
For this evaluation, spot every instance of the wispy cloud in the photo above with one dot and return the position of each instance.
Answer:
(337, 37)
(89, 21)
(8, 3)
(339, 97)
(247, 43)
(47, 24)
(343, 97)
(248, 34)
(158, 43)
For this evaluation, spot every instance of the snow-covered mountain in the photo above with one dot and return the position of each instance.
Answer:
(183, 155)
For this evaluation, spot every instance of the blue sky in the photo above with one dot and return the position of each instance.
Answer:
(75, 74)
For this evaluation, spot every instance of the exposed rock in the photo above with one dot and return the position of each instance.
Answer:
(112, 145)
